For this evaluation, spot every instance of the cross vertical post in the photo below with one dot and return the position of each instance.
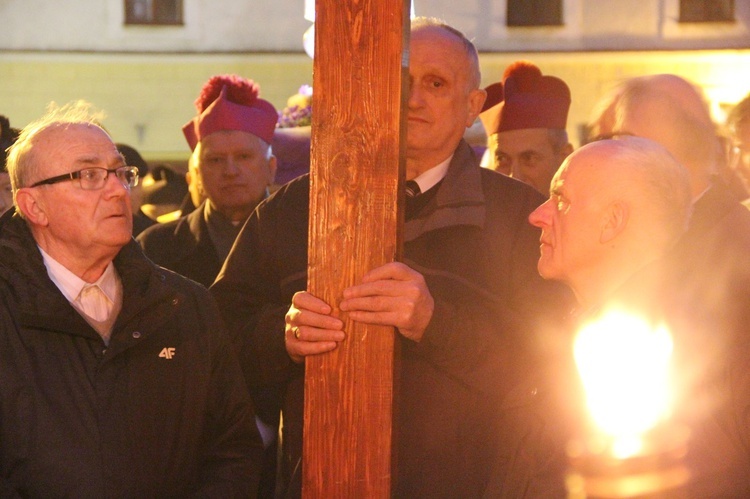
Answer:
(360, 77)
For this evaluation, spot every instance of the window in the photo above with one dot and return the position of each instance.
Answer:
(153, 12)
(706, 11)
(534, 13)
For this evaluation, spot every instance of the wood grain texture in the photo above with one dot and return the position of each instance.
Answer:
(359, 78)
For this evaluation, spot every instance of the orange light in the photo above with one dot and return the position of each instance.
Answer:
(624, 364)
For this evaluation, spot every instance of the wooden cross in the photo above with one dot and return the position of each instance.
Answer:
(360, 73)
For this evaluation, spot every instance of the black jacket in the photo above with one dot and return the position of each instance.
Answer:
(161, 412)
(183, 246)
(708, 292)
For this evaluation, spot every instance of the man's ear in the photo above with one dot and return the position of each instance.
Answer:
(194, 179)
(31, 206)
(476, 101)
(272, 165)
(615, 220)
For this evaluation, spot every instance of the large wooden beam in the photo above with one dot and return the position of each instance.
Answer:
(359, 77)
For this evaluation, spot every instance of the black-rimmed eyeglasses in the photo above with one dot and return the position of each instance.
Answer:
(93, 179)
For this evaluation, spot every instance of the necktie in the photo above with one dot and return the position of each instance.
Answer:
(94, 302)
(412, 189)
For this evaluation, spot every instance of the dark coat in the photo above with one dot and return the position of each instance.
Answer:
(538, 419)
(710, 263)
(478, 254)
(141, 222)
(134, 419)
(700, 290)
(183, 246)
(711, 354)
(709, 306)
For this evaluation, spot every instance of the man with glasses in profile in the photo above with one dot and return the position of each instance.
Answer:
(116, 376)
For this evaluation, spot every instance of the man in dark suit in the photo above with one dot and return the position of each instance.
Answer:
(232, 163)
(117, 376)
(467, 300)
(709, 272)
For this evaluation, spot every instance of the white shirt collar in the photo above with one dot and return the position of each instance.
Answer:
(427, 180)
(71, 285)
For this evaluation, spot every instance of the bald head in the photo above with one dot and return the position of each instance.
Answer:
(615, 206)
(671, 111)
(427, 24)
(685, 94)
(643, 174)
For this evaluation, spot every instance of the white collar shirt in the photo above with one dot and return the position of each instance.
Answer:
(429, 179)
(71, 285)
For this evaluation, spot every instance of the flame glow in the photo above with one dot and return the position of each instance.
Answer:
(624, 364)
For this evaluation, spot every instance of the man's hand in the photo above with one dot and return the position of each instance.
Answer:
(391, 295)
(310, 327)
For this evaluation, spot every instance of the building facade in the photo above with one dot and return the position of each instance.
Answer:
(143, 61)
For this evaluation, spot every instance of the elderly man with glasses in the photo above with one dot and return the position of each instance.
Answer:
(116, 376)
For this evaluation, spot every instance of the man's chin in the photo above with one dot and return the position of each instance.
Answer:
(120, 228)
(419, 138)
(545, 270)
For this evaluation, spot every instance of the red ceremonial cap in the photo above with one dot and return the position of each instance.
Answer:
(525, 99)
(230, 102)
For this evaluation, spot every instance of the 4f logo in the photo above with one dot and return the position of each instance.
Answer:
(167, 353)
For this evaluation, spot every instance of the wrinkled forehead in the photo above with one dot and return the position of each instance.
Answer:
(432, 43)
(75, 142)
(74, 133)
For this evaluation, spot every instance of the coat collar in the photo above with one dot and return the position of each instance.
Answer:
(715, 204)
(459, 200)
(197, 229)
(41, 304)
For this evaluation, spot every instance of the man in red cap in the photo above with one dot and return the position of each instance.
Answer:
(525, 116)
(232, 167)
(232, 164)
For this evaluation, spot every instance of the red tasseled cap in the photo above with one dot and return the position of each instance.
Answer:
(526, 100)
(230, 102)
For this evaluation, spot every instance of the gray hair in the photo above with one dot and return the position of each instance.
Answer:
(22, 164)
(419, 23)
